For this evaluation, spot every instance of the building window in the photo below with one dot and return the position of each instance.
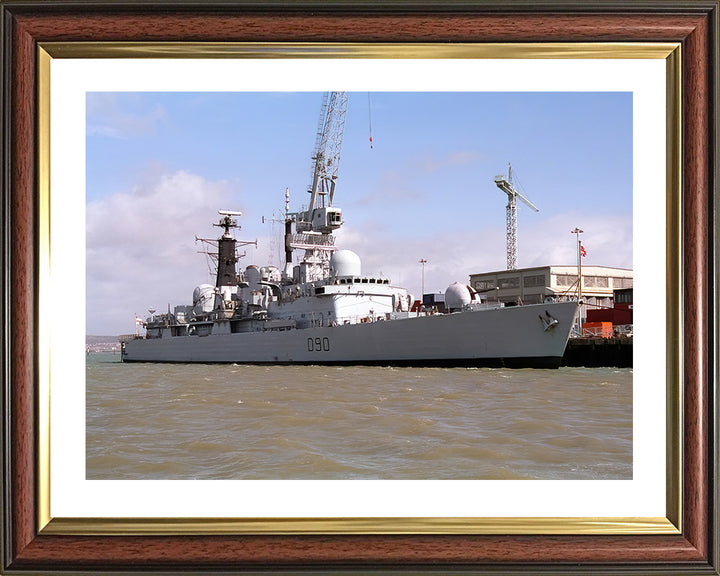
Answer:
(622, 283)
(624, 297)
(565, 279)
(531, 281)
(484, 284)
(510, 282)
(595, 281)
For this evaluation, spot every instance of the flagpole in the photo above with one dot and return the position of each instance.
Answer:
(577, 233)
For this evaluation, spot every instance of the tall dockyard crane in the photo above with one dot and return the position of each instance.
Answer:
(506, 185)
(321, 216)
(315, 225)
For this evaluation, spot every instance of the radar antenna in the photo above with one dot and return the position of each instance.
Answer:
(227, 221)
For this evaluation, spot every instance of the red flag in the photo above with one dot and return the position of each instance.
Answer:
(582, 250)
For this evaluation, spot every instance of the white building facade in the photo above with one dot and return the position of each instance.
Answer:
(535, 285)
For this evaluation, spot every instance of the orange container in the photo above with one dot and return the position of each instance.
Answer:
(598, 329)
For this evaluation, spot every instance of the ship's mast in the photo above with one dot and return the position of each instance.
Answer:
(227, 257)
(288, 232)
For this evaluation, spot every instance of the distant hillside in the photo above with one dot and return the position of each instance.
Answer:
(102, 344)
(92, 340)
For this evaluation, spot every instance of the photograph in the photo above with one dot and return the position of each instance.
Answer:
(397, 289)
(458, 318)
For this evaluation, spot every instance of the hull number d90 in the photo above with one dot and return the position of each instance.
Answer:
(318, 344)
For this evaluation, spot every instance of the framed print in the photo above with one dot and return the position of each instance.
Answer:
(413, 491)
(58, 517)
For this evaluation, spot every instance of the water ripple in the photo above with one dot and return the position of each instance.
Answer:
(315, 422)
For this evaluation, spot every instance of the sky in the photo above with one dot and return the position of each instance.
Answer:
(159, 165)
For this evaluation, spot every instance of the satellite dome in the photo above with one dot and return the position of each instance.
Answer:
(253, 275)
(458, 295)
(203, 298)
(271, 274)
(345, 263)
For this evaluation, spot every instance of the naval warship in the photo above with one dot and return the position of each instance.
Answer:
(324, 310)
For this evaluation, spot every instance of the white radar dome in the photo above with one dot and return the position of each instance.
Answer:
(271, 274)
(458, 295)
(345, 263)
(253, 275)
(203, 298)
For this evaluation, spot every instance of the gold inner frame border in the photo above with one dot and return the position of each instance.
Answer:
(671, 524)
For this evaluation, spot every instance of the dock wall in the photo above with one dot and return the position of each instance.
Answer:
(599, 352)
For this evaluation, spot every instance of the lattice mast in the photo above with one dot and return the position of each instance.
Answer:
(506, 185)
(222, 252)
(315, 225)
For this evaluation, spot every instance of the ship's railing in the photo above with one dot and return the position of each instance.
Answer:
(624, 329)
(310, 241)
(593, 333)
(477, 306)
(368, 318)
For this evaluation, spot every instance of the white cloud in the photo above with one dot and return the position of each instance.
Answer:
(400, 185)
(451, 257)
(391, 188)
(453, 159)
(107, 118)
(454, 255)
(608, 240)
(141, 249)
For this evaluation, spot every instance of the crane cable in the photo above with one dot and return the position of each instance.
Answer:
(370, 121)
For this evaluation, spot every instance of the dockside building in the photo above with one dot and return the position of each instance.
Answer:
(536, 285)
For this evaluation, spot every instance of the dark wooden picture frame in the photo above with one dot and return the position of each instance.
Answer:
(28, 24)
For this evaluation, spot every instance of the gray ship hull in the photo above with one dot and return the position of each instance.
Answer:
(518, 336)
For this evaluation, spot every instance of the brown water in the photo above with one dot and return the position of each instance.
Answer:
(183, 421)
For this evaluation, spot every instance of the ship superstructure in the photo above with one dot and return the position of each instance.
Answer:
(325, 310)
